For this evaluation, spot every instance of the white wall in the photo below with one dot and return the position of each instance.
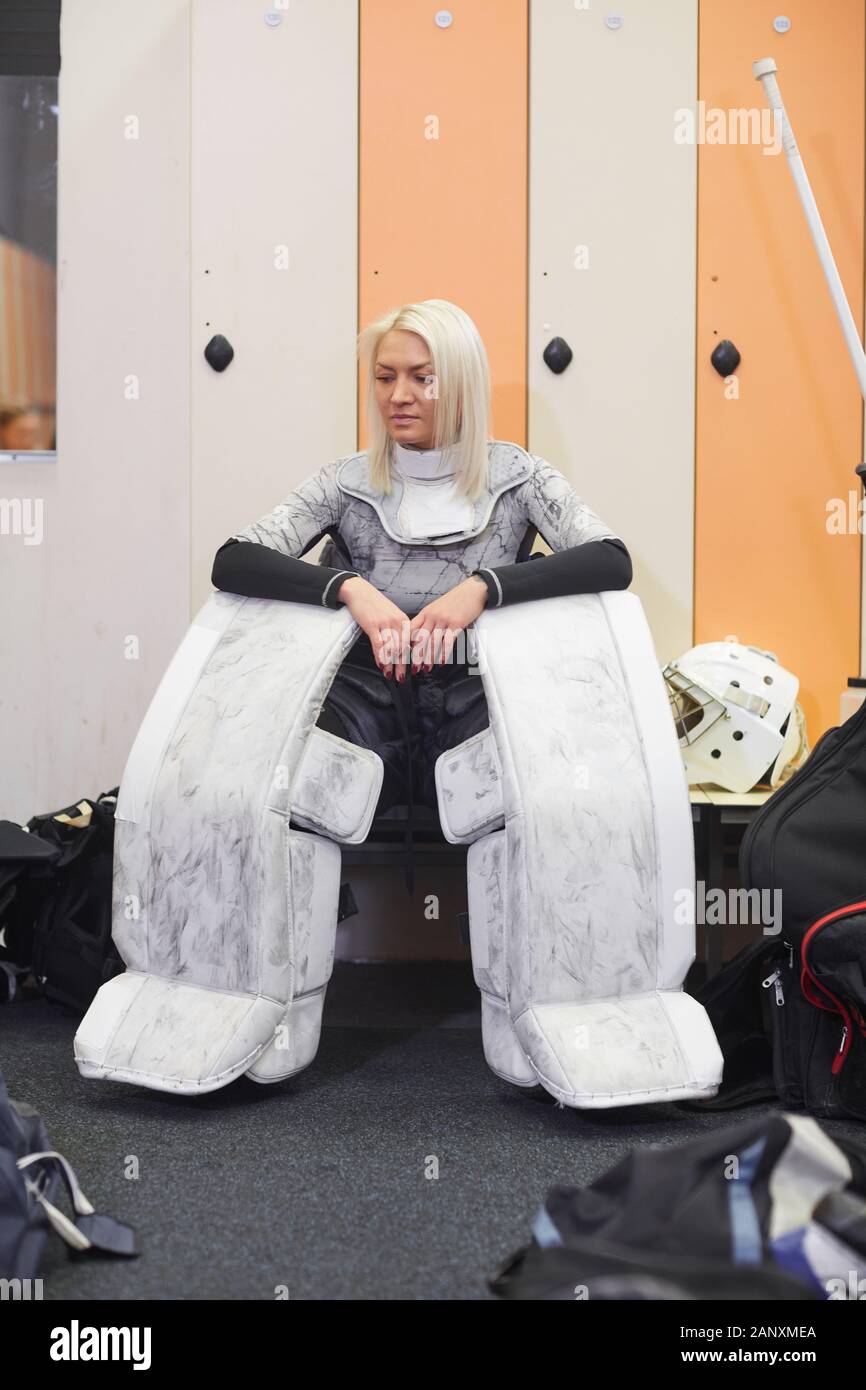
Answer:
(114, 560)
(245, 138)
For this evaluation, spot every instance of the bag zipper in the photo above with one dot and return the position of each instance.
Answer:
(776, 977)
(809, 979)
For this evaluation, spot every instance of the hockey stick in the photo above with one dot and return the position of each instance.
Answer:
(765, 72)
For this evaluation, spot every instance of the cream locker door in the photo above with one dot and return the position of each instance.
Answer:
(612, 212)
(273, 262)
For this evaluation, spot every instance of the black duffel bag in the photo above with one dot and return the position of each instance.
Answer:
(758, 1210)
(26, 878)
(804, 989)
(62, 922)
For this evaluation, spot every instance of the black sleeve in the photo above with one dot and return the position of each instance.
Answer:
(582, 569)
(259, 571)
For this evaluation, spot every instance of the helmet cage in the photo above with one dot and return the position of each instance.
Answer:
(694, 709)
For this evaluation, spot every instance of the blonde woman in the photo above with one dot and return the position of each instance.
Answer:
(433, 522)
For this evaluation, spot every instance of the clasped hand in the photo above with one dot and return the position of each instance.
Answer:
(423, 641)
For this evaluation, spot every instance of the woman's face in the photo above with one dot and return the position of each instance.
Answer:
(406, 388)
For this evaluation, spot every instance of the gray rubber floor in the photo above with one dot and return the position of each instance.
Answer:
(318, 1183)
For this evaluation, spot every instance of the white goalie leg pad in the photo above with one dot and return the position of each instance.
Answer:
(469, 789)
(581, 919)
(470, 797)
(336, 794)
(223, 912)
(487, 884)
(314, 867)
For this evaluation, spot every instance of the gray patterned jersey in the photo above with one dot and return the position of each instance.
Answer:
(523, 490)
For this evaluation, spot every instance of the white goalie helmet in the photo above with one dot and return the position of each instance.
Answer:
(736, 715)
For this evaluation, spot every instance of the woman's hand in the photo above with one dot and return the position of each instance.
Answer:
(386, 625)
(433, 631)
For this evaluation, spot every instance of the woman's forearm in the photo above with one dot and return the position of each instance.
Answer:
(590, 568)
(259, 571)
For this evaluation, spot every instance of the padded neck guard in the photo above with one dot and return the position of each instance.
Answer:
(508, 465)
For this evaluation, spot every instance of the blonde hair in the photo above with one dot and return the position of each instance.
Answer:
(462, 380)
